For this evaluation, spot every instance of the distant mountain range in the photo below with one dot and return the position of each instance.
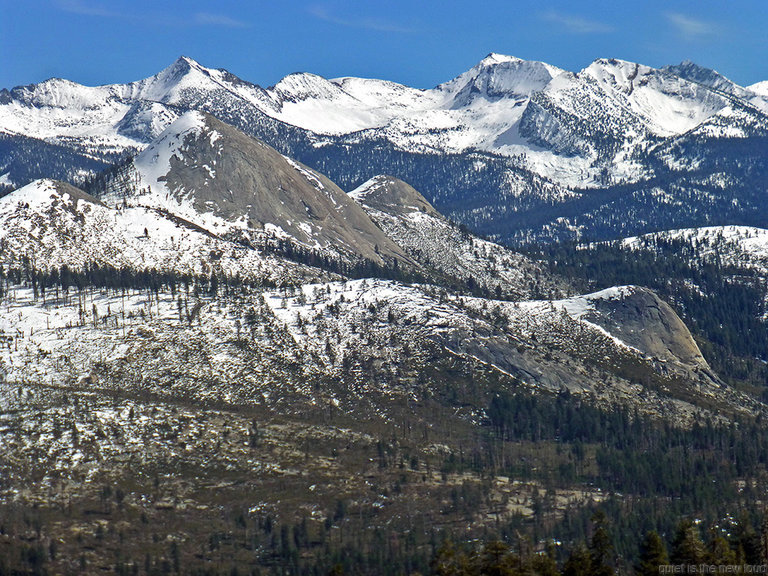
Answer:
(517, 150)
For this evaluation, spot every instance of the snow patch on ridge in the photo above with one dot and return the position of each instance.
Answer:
(154, 163)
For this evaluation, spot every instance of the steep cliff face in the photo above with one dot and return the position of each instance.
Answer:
(645, 321)
(642, 320)
(218, 177)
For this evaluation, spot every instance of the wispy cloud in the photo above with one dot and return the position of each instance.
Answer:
(690, 28)
(208, 19)
(576, 24)
(97, 9)
(376, 24)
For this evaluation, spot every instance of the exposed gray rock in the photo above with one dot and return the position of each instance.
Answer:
(644, 321)
(239, 177)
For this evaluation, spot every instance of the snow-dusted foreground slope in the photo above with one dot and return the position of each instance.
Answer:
(52, 225)
(191, 210)
(364, 340)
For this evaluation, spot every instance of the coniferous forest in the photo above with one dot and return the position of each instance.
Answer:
(645, 476)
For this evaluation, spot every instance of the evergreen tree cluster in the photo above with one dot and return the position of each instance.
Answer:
(27, 159)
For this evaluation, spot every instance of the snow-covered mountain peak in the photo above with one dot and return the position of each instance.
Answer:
(155, 163)
(368, 188)
(304, 86)
(664, 103)
(182, 65)
(384, 94)
(185, 65)
(619, 73)
(190, 62)
(496, 58)
(169, 84)
(62, 94)
(323, 106)
(497, 76)
(169, 76)
(391, 195)
(759, 88)
(493, 59)
(692, 71)
(542, 117)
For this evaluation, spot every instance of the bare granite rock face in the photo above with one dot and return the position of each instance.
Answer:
(392, 196)
(237, 177)
(644, 321)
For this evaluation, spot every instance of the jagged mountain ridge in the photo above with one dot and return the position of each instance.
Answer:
(517, 150)
(502, 105)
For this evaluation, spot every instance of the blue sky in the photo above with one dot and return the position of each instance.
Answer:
(415, 42)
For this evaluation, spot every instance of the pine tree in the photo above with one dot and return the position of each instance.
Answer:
(748, 542)
(543, 564)
(653, 554)
(719, 552)
(449, 561)
(496, 560)
(579, 563)
(601, 546)
(687, 547)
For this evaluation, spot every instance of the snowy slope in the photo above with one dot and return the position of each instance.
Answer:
(320, 105)
(363, 340)
(743, 246)
(554, 122)
(119, 117)
(739, 253)
(231, 184)
(546, 344)
(368, 339)
(64, 112)
(430, 238)
(495, 76)
(759, 88)
(54, 224)
(665, 104)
